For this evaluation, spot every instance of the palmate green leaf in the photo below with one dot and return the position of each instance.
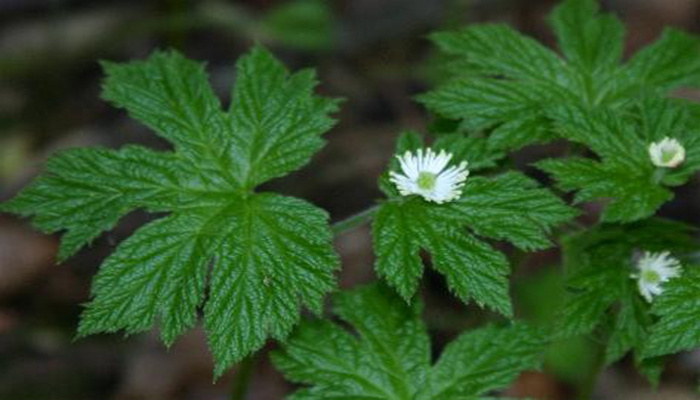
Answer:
(389, 358)
(85, 191)
(484, 360)
(171, 95)
(604, 298)
(632, 197)
(504, 83)
(262, 256)
(670, 62)
(508, 207)
(625, 173)
(473, 268)
(278, 119)
(588, 40)
(522, 58)
(273, 255)
(679, 311)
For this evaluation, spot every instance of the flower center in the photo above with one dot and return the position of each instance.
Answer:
(667, 155)
(426, 180)
(651, 276)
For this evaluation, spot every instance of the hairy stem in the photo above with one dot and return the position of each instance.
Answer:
(354, 221)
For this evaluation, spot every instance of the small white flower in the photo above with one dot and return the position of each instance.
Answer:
(654, 270)
(668, 153)
(425, 175)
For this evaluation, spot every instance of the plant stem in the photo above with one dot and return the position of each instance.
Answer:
(241, 380)
(354, 221)
(587, 385)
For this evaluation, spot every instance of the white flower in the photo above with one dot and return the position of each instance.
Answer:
(668, 153)
(425, 175)
(654, 270)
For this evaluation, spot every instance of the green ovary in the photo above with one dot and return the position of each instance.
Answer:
(426, 180)
(667, 155)
(651, 276)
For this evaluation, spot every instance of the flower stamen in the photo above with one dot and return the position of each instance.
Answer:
(426, 174)
(667, 153)
(655, 269)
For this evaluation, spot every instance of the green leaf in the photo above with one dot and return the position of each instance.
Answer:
(171, 95)
(672, 61)
(86, 191)
(273, 255)
(276, 119)
(603, 296)
(625, 173)
(510, 207)
(484, 360)
(588, 40)
(475, 150)
(500, 50)
(678, 309)
(501, 105)
(632, 198)
(584, 312)
(389, 358)
(156, 275)
(261, 255)
(503, 84)
(630, 327)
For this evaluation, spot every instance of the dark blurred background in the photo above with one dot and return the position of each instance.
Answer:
(375, 54)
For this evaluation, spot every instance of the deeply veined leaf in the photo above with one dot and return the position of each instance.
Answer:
(262, 256)
(504, 84)
(588, 40)
(604, 296)
(155, 276)
(276, 118)
(671, 61)
(389, 358)
(172, 95)
(273, 255)
(86, 191)
(632, 197)
(483, 360)
(679, 309)
(625, 173)
(519, 56)
(508, 207)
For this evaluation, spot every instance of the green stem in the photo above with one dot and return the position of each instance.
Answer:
(587, 385)
(241, 380)
(354, 221)
(658, 175)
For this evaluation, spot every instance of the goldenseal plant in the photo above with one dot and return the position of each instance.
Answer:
(249, 262)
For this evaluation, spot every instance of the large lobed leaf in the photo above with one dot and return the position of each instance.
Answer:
(268, 254)
(504, 83)
(389, 357)
(507, 207)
